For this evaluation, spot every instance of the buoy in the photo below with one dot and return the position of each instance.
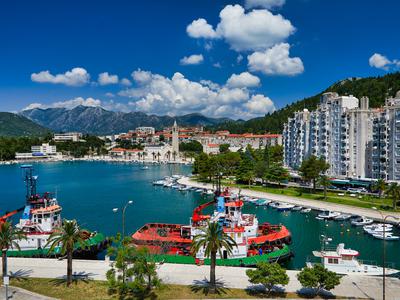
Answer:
(348, 230)
(341, 225)
(341, 232)
(326, 225)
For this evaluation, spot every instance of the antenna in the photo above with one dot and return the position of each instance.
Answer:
(30, 182)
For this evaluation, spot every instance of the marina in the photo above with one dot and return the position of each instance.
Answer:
(87, 183)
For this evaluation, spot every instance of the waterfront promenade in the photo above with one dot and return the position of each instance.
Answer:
(314, 204)
(351, 286)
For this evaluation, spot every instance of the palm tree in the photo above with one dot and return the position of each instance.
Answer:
(213, 239)
(158, 156)
(169, 155)
(380, 186)
(394, 191)
(174, 155)
(154, 155)
(325, 183)
(68, 235)
(8, 239)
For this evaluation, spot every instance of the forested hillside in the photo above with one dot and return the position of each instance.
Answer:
(376, 88)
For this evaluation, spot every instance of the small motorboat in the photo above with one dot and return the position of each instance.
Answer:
(199, 190)
(159, 182)
(361, 221)
(144, 168)
(342, 217)
(184, 188)
(284, 206)
(328, 215)
(305, 210)
(377, 228)
(388, 236)
(261, 202)
(297, 208)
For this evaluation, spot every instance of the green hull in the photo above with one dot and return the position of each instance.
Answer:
(277, 256)
(94, 245)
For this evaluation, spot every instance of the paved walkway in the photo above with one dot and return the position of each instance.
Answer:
(319, 205)
(351, 286)
(15, 293)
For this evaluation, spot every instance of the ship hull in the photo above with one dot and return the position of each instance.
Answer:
(94, 245)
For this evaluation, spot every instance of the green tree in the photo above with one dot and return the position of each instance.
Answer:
(8, 239)
(201, 166)
(277, 173)
(379, 186)
(325, 183)
(66, 237)
(131, 262)
(212, 239)
(268, 274)
(318, 278)
(276, 154)
(245, 172)
(191, 146)
(230, 162)
(393, 190)
(312, 168)
(223, 148)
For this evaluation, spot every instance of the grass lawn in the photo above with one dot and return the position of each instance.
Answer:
(367, 201)
(97, 290)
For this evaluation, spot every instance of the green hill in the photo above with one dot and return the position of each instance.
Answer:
(16, 125)
(376, 88)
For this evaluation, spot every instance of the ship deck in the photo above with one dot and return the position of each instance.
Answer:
(157, 232)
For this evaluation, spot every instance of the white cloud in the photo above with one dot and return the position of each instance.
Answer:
(126, 82)
(259, 104)
(255, 30)
(105, 79)
(244, 79)
(201, 29)
(275, 61)
(141, 77)
(268, 4)
(380, 61)
(239, 58)
(75, 77)
(217, 65)
(193, 59)
(68, 104)
(110, 95)
(33, 106)
(178, 95)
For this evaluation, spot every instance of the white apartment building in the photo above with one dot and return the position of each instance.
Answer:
(41, 151)
(338, 130)
(70, 136)
(386, 141)
(145, 130)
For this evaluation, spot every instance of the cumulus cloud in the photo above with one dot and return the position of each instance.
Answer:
(254, 30)
(178, 95)
(68, 104)
(259, 104)
(268, 4)
(382, 62)
(126, 82)
(105, 79)
(275, 61)
(74, 77)
(193, 59)
(244, 79)
(141, 77)
(201, 29)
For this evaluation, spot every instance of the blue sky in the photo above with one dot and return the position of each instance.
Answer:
(280, 51)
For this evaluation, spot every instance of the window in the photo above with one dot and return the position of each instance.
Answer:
(333, 261)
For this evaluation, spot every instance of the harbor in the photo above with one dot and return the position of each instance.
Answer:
(87, 183)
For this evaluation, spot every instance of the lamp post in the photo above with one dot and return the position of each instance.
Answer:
(123, 216)
(5, 275)
(384, 250)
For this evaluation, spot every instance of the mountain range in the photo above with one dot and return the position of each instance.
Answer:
(97, 120)
(16, 125)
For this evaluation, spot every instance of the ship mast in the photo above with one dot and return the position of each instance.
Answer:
(30, 182)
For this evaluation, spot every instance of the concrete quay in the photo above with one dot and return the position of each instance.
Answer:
(365, 287)
(314, 204)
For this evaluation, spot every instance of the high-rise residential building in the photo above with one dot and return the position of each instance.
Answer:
(386, 141)
(338, 130)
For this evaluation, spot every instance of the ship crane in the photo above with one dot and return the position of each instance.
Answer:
(197, 216)
(10, 214)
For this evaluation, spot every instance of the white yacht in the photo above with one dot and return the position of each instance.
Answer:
(342, 217)
(284, 206)
(327, 215)
(362, 221)
(387, 236)
(344, 261)
(305, 210)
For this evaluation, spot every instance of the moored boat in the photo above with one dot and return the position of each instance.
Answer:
(255, 242)
(41, 215)
(328, 215)
(361, 221)
(344, 261)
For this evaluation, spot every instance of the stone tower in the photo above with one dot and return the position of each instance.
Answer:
(175, 139)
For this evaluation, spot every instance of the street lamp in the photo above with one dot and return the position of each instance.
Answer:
(115, 210)
(6, 279)
(384, 248)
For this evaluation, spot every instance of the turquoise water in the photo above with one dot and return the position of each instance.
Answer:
(88, 191)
